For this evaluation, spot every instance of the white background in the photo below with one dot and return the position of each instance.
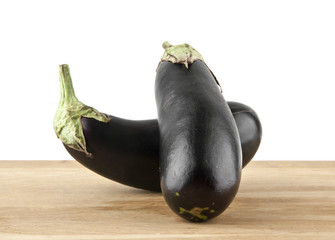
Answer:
(276, 56)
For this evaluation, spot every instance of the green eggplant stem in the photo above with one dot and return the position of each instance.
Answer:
(70, 110)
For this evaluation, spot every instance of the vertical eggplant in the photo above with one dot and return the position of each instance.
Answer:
(200, 149)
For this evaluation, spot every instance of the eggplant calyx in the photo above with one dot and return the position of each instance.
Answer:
(66, 122)
(182, 54)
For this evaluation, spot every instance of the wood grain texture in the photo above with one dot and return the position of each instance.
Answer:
(64, 200)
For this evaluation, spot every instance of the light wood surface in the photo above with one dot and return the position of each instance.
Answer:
(63, 200)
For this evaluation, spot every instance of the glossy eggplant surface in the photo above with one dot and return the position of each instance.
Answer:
(200, 149)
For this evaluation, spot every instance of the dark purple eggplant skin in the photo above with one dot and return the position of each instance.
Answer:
(124, 151)
(249, 128)
(200, 149)
(127, 151)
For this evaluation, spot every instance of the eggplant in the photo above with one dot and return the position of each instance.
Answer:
(200, 149)
(249, 128)
(124, 150)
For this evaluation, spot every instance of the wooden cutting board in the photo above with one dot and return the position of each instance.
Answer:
(63, 200)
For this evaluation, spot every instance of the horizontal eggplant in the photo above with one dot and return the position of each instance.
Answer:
(126, 151)
(249, 128)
